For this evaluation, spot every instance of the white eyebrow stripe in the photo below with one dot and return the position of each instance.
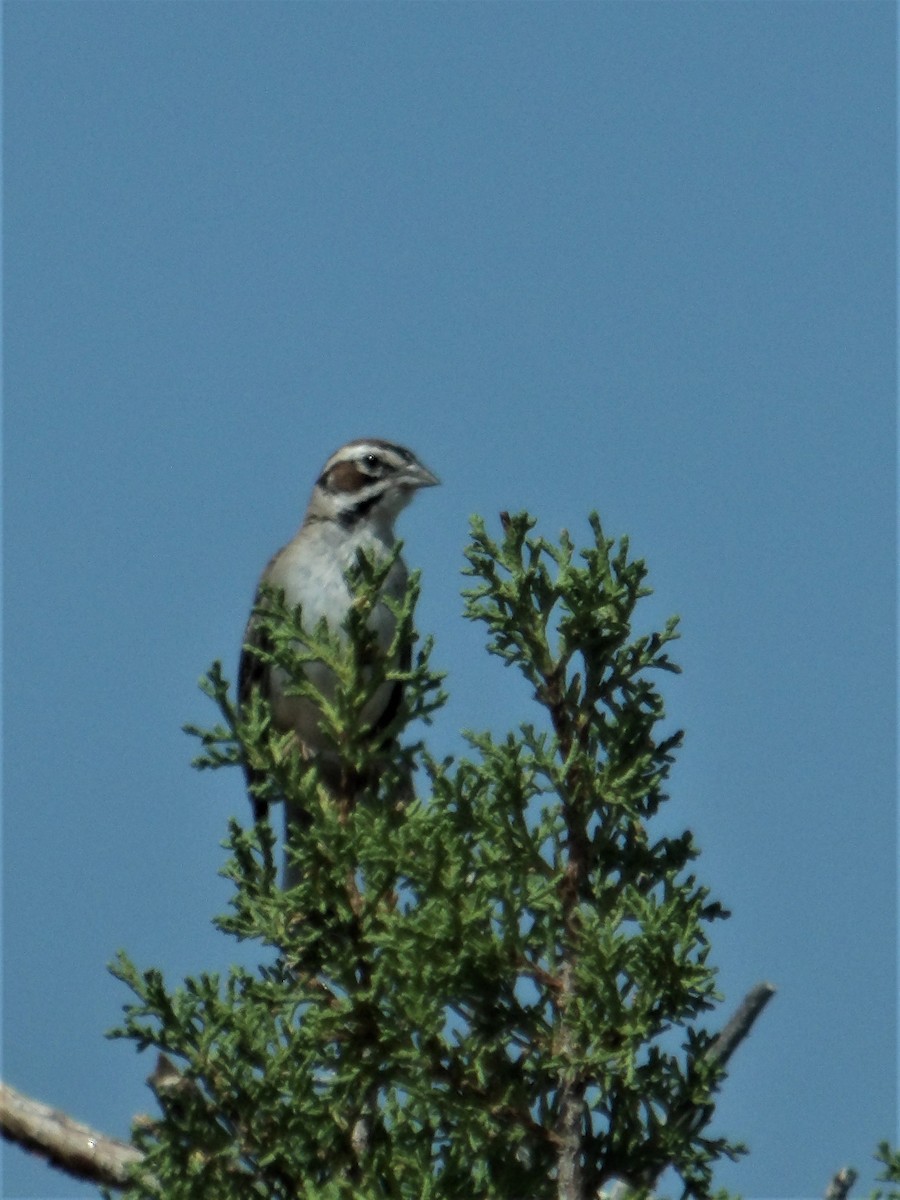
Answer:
(392, 457)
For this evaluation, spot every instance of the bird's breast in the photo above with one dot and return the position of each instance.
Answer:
(318, 583)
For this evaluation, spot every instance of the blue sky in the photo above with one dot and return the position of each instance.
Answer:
(637, 257)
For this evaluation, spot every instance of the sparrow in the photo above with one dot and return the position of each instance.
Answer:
(356, 499)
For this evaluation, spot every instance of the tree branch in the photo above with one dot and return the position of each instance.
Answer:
(841, 1183)
(570, 1120)
(729, 1038)
(741, 1022)
(66, 1144)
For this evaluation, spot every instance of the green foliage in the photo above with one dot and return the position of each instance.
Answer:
(890, 1172)
(490, 990)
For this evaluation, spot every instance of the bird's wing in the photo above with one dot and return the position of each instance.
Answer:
(253, 676)
(393, 704)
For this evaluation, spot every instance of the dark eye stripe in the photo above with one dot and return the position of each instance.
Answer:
(373, 464)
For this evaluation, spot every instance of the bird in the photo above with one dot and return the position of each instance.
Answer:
(360, 492)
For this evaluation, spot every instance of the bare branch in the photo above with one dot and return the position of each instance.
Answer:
(741, 1022)
(841, 1183)
(66, 1144)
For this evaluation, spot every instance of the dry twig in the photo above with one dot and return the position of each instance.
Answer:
(64, 1143)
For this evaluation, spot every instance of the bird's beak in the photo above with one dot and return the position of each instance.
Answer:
(417, 476)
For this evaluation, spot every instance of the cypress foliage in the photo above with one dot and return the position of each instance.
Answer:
(495, 989)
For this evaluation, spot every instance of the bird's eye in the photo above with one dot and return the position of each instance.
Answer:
(372, 461)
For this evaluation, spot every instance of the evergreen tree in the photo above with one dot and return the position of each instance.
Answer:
(496, 989)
